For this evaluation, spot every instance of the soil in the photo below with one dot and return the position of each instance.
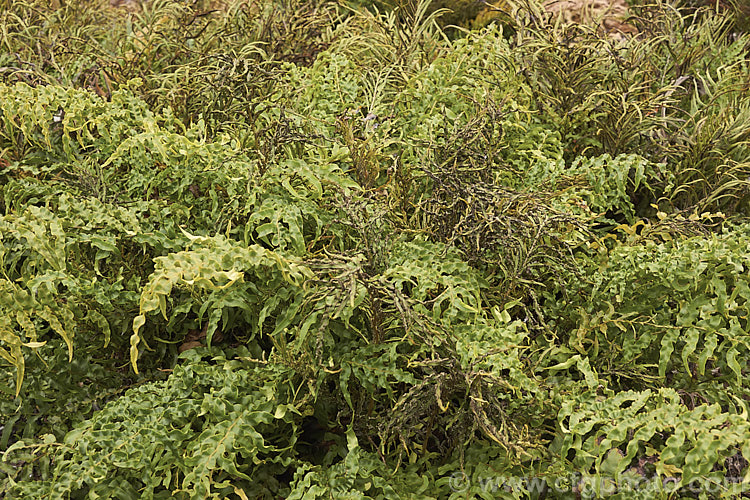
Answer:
(610, 14)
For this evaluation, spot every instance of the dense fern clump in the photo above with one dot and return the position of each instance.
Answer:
(323, 250)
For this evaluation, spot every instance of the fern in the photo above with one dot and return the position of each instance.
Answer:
(606, 434)
(313, 250)
(187, 432)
